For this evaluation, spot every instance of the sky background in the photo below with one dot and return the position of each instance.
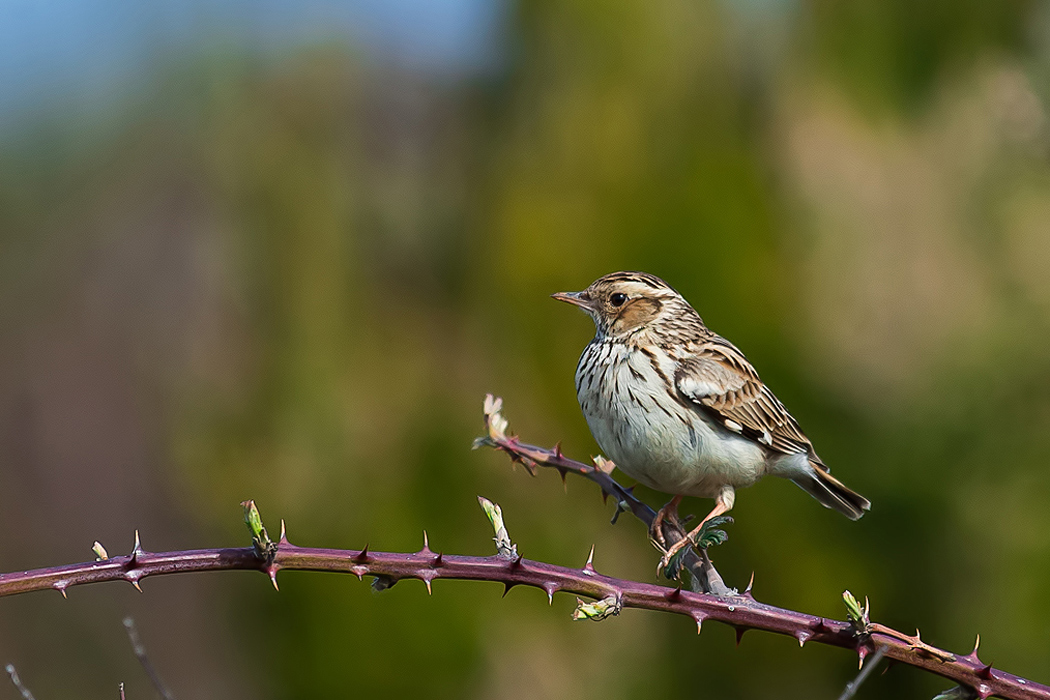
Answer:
(77, 55)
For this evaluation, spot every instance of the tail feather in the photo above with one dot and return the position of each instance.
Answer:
(832, 493)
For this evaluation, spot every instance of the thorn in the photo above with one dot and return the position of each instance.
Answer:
(699, 621)
(985, 672)
(506, 588)
(136, 550)
(983, 691)
(134, 581)
(740, 634)
(972, 656)
(750, 585)
(605, 496)
(630, 490)
(439, 561)
(427, 582)
(588, 568)
(61, 586)
(284, 535)
(862, 653)
(426, 544)
(550, 588)
(802, 638)
(359, 571)
(361, 557)
(556, 450)
(516, 563)
(564, 478)
(676, 594)
(271, 571)
(819, 625)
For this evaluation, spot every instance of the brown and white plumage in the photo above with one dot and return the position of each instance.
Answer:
(679, 408)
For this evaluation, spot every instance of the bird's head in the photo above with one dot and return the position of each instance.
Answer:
(623, 303)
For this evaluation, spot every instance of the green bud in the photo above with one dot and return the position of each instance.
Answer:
(598, 610)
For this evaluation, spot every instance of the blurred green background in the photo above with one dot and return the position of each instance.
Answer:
(282, 252)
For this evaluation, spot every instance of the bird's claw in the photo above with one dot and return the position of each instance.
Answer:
(670, 565)
(707, 534)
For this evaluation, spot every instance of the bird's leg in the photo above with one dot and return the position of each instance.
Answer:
(723, 503)
(668, 512)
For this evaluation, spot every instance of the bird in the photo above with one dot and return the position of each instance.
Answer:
(680, 409)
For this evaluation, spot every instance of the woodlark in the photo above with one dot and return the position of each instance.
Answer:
(680, 409)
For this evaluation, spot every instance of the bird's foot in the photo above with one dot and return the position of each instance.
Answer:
(669, 513)
(706, 534)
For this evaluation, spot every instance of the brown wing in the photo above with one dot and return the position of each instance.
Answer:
(719, 379)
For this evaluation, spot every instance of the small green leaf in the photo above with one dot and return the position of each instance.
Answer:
(598, 610)
(504, 547)
(675, 564)
(265, 548)
(858, 616)
(710, 535)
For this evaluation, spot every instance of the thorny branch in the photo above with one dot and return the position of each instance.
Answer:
(705, 578)
(609, 595)
(975, 678)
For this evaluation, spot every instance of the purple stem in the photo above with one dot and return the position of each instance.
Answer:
(741, 612)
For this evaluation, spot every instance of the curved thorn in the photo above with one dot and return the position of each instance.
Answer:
(862, 653)
(676, 594)
(429, 590)
(740, 634)
(972, 656)
(361, 557)
(426, 543)
(589, 566)
(136, 550)
(506, 588)
(439, 560)
(284, 534)
(272, 572)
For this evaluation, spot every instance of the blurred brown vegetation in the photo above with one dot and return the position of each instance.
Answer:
(294, 280)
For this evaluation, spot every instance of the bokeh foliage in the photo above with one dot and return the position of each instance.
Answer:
(294, 277)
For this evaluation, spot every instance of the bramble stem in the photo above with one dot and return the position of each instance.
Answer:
(740, 612)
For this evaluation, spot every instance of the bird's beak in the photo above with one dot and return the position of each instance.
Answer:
(579, 299)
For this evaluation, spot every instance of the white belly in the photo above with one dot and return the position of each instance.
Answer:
(657, 440)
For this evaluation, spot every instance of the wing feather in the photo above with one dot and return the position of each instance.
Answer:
(719, 379)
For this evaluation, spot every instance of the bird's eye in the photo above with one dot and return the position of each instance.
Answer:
(618, 299)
